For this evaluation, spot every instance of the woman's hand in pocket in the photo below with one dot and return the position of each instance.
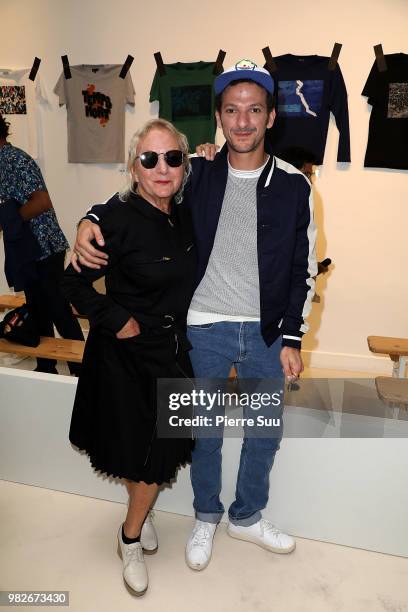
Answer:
(129, 330)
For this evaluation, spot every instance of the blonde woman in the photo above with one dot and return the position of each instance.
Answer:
(137, 333)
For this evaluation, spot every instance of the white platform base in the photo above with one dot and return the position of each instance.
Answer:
(377, 364)
(346, 491)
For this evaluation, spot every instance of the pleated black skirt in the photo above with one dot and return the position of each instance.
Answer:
(114, 414)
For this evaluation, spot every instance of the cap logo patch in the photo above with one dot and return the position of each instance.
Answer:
(245, 65)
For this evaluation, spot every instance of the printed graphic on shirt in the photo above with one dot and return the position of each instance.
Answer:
(398, 101)
(13, 100)
(191, 102)
(300, 98)
(97, 105)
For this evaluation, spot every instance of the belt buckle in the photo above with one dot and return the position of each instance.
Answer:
(172, 321)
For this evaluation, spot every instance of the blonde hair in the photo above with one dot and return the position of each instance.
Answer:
(160, 124)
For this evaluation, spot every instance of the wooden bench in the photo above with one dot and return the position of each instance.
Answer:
(10, 301)
(396, 348)
(50, 348)
(392, 391)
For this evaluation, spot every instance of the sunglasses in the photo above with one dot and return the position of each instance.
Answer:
(173, 158)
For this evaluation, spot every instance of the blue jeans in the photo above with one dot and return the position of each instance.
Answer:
(217, 346)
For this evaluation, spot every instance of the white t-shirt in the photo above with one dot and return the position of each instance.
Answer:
(19, 99)
(95, 97)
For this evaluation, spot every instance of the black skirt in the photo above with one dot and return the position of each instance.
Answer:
(114, 414)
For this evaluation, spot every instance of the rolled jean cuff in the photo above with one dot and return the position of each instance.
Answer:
(247, 522)
(209, 517)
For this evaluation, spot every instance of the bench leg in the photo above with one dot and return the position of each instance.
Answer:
(399, 367)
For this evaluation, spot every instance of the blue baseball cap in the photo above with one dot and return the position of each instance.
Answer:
(247, 70)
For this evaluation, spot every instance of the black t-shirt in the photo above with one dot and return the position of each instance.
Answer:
(307, 93)
(387, 92)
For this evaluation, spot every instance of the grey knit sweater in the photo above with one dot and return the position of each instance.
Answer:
(230, 284)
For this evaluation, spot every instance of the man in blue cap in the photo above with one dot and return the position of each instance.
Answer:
(255, 236)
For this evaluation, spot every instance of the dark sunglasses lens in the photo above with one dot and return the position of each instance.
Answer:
(149, 159)
(174, 158)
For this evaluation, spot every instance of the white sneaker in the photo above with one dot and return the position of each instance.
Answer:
(148, 535)
(199, 545)
(264, 534)
(134, 568)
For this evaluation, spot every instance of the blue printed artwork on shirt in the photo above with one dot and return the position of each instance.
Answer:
(300, 98)
(20, 176)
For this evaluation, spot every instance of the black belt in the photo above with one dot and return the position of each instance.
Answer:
(167, 325)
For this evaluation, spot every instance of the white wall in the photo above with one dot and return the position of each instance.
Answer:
(362, 213)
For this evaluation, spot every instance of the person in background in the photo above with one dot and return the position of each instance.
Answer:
(21, 180)
(301, 158)
(137, 334)
(305, 161)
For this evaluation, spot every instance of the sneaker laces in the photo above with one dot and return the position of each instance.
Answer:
(200, 536)
(268, 527)
(149, 516)
(133, 552)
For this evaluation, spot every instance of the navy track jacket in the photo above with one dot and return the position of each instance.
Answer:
(286, 238)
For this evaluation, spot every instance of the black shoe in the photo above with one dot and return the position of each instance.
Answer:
(51, 370)
(75, 371)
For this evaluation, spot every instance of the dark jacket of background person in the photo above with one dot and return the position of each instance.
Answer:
(21, 249)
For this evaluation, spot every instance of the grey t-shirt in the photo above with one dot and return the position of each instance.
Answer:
(95, 97)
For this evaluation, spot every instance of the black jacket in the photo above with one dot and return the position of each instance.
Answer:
(21, 248)
(150, 272)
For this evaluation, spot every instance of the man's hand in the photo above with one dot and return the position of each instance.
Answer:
(84, 253)
(292, 363)
(207, 150)
(129, 330)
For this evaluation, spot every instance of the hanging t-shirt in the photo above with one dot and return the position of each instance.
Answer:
(19, 97)
(307, 92)
(186, 97)
(95, 97)
(387, 92)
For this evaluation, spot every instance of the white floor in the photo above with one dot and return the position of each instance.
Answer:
(57, 541)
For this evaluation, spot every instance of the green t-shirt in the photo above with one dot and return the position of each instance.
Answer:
(186, 97)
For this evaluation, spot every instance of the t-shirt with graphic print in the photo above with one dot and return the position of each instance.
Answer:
(20, 176)
(96, 97)
(307, 92)
(387, 92)
(19, 97)
(186, 98)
